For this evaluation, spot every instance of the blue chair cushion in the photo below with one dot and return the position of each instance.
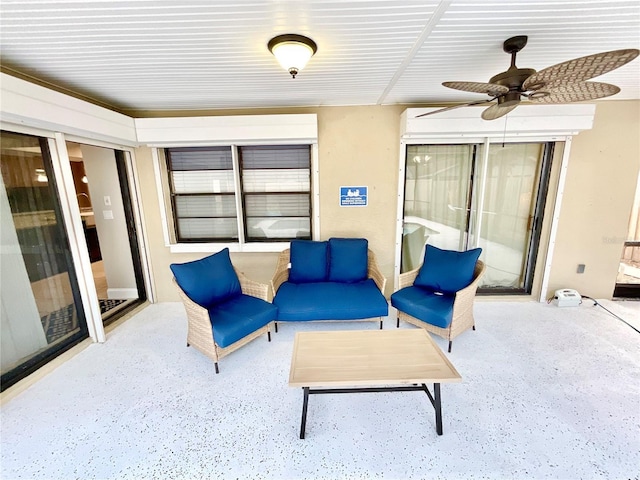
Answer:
(348, 301)
(447, 270)
(348, 259)
(208, 281)
(237, 317)
(308, 261)
(430, 307)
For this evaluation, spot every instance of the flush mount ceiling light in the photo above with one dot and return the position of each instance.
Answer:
(292, 51)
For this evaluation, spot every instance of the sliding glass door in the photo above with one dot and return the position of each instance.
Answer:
(459, 197)
(41, 314)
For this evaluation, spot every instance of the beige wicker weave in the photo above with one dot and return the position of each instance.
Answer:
(200, 332)
(281, 274)
(462, 306)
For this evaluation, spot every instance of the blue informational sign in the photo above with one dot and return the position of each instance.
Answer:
(353, 196)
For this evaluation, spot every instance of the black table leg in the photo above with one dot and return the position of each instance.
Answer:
(438, 406)
(434, 399)
(304, 412)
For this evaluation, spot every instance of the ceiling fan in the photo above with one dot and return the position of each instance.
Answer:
(561, 83)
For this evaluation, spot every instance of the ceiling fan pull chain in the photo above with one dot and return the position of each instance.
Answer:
(504, 133)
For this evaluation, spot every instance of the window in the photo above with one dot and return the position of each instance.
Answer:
(264, 196)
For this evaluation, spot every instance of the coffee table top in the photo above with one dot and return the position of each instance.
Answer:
(368, 357)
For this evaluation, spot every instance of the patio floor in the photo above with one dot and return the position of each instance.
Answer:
(547, 392)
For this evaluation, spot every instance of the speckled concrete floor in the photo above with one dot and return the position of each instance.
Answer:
(546, 393)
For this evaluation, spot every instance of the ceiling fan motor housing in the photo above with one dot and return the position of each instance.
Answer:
(513, 78)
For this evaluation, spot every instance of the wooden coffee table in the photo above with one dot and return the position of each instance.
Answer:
(369, 361)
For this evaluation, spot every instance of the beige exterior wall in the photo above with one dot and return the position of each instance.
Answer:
(360, 146)
(597, 201)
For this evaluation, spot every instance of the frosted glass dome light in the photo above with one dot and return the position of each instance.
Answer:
(292, 51)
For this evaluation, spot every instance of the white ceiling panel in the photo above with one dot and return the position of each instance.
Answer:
(150, 55)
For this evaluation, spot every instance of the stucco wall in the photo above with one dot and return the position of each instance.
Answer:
(597, 201)
(360, 146)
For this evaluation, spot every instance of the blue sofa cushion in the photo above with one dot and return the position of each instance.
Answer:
(430, 307)
(330, 301)
(308, 261)
(348, 259)
(237, 317)
(209, 280)
(447, 270)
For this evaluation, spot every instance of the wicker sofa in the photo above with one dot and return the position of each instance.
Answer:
(338, 279)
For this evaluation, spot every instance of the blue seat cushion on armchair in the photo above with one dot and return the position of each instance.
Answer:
(330, 301)
(237, 317)
(209, 280)
(428, 306)
(309, 261)
(348, 259)
(447, 270)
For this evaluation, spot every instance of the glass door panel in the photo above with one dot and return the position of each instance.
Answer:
(41, 313)
(437, 199)
(510, 181)
(102, 189)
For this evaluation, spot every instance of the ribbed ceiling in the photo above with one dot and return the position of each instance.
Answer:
(194, 55)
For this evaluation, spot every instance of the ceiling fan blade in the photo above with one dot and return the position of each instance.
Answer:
(497, 111)
(579, 69)
(479, 102)
(574, 92)
(492, 89)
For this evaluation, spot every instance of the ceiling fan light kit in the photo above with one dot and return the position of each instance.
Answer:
(565, 82)
(292, 51)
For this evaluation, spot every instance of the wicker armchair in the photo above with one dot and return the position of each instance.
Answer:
(462, 317)
(281, 274)
(200, 331)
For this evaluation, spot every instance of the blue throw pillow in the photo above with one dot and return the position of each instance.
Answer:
(308, 261)
(447, 270)
(208, 281)
(348, 259)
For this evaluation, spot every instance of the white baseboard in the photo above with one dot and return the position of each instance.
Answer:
(121, 293)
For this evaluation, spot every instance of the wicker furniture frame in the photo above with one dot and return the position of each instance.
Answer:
(281, 274)
(462, 306)
(200, 332)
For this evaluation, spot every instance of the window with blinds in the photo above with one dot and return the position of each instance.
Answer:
(275, 193)
(203, 193)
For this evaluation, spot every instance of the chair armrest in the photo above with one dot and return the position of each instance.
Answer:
(281, 274)
(197, 315)
(374, 272)
(406, 279)
(253, 288)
